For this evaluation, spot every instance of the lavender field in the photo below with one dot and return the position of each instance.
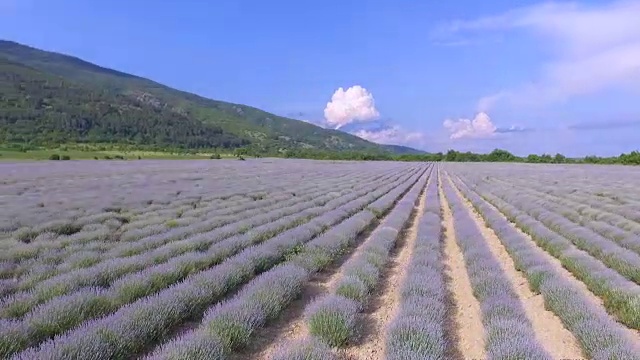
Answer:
(297, 259)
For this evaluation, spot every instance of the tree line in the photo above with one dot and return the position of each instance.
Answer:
(497, 155)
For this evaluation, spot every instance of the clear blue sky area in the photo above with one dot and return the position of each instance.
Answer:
(526, 76)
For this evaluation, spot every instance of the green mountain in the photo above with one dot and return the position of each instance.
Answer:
(51, 98)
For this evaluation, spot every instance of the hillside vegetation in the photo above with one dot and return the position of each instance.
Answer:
(48, 98)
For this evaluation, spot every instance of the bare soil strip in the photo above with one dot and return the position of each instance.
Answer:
(595, 300)
(384, 304)
(290, 326)
(549, 329)
(469, 330)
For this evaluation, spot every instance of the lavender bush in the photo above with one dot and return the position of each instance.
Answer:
(332, 319)
(600, 336)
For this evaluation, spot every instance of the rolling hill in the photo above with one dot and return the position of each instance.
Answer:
(51, 98)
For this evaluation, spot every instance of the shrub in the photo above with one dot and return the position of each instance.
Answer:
(54, 157)
(215, 157)
(233, 323)
(172, 223)
(365, 272)
(65, 157)
(352, 288)
(332, 319)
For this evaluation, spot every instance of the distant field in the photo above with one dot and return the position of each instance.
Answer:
(296, 259)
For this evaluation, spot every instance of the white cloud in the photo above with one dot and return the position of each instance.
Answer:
(479, 127)
(356, 104)
(594, 47)
(394, 135)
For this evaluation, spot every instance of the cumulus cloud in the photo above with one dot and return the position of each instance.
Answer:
(394, 135)
(595, 47)
(479, 127)
(355, 104)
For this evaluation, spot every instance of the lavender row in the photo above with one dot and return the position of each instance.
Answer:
(599, 335)
(593, 203)
(43, 272)
(65, 312)
(621, 206)
(177, 234)
(145, 282)
(418, 330)
(103, 274)
(130, 288)
(332, 317)
(47, 242)
(224, 209)
(230, 324)
(620, 296)
(132, 186)
(168, 250)
(576, 213)
(27, 251)
(130, 329)
(46, 201)
(106, 272)
(625, 262)
(509, 333)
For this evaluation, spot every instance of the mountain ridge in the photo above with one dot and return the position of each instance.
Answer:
(76, 100)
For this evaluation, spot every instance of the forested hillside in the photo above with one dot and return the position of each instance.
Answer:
(48, 98)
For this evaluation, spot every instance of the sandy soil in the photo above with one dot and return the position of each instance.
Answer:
(549, 329)
(385, 306)
(594, 299)
(467, 315)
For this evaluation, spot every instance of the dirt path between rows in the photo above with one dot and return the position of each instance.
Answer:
(468, 327)
(383, 308)
(291, 326)
(632, 334)
(549, 329)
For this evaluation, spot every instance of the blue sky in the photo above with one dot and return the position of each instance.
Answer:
(528, 77)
